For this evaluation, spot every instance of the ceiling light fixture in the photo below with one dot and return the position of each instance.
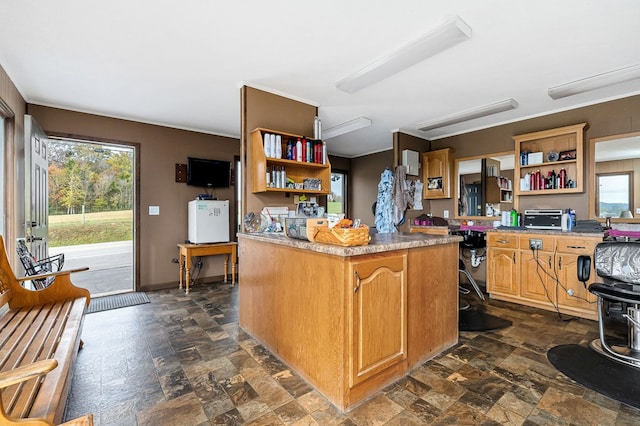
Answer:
(435, 41)
(349, 126)
(595, 82)
(470, 114)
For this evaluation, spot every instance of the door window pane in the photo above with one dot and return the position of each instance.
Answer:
(336, 201)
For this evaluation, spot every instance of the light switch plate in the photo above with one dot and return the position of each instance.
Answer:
(154, 210)
(637, 210)
(446, 214)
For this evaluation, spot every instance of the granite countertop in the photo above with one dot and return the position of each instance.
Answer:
(379, 243)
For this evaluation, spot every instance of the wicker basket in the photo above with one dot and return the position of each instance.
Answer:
(343, 236)
(302, 228)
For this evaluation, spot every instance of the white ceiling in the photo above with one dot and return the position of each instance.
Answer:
(181, 64)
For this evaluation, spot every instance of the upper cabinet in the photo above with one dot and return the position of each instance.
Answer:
(312, 175)
(550, 161)
(437, 167)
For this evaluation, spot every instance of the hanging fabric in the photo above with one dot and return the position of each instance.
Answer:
(400, 195)
(384, 204)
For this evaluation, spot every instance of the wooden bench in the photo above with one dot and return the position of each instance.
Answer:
(39, 340)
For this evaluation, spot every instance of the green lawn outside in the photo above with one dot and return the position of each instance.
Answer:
(69, 230)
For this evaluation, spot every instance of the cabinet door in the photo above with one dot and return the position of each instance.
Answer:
(378, 317)
(572, 292)
(502, 271)
(437, 173)
(537, 272)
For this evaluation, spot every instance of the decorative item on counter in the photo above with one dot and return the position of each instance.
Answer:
(317, 128)
(345, 233)
(513, 217)
(312, 184)
(567, 155)
(254, 222)
(278, 146)
(302, 228)
(534, 158)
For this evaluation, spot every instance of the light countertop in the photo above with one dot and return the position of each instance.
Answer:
(379, 243)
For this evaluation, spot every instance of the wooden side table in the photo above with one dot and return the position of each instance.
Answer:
(214, 249)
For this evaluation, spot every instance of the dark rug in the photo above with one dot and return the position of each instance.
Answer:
(116, 301)
(597, 372)
(474, 320)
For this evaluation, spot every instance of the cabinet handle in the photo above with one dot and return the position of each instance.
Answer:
(576, 247)
(514, 257)
(560, 263)
(549, 262)
(502, 241)
(357, 287)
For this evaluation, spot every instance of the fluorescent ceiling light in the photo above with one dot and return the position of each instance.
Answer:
(349, 126)
(435, 41)
(596, 82)
(469, 114)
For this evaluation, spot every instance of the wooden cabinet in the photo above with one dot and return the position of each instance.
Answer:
(437, 167)
(567, 142)
(358, 322)
(537, 269)
(574, 293)
(296, 170)
(502, 264)
(544, 278)
(378, 316)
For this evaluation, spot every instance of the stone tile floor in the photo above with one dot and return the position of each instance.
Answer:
(183, 360)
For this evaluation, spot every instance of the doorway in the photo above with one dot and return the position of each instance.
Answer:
(92, 211)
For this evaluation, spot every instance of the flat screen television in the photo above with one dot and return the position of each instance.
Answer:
(208, 173)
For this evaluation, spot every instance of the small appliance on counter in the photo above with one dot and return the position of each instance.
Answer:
(543, 219)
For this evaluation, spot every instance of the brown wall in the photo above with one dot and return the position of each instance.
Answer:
(269, 111)
(609, 118)
(402, 141)
(158, 150)
(365, 176)
(14, 162)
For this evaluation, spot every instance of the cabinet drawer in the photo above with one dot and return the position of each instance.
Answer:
(576, 245)
(547, 242)
(502, 240)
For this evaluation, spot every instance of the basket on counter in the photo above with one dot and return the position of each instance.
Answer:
(343, 236)
(302, 228)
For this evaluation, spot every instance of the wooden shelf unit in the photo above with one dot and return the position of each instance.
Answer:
(296, 170)
(437, 167)
(561, 139)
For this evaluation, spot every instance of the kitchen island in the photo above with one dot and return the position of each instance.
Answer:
(350, 320)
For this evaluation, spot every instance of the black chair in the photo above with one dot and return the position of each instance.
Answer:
(472, 241)
(33, 266)
(618, 264)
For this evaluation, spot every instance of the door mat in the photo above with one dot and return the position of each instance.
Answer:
(597, 372)
(474, 320)
(116, 301)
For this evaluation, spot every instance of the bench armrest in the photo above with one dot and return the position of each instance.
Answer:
(52, 274)
(26, 372)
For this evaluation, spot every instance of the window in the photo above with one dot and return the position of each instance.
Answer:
(337, 200)
(614, 193)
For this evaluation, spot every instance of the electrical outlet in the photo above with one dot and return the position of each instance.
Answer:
(535, 244)
(446, 214)
(637, 210)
